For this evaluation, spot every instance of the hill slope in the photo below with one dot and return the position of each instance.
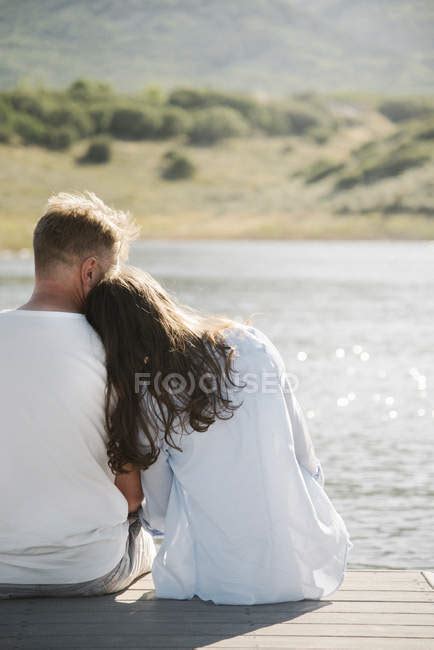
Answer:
(273, 46)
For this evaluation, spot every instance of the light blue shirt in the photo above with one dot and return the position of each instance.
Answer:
(245, 516)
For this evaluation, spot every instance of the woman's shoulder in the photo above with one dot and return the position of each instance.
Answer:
(238, 333)
(243, 336)
(244, 332)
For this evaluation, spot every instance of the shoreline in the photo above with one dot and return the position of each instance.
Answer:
(16, 230)
(25, 253)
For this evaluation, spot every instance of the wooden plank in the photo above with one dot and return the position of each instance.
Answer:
(52, 608)
(378, 570)
(390, 574)
(429, 577)
(301, 643)
(424, 593)
(408, 580)
(403, 596)
(382, 582)
(129, 628)
(376, 584)
(141, 618)
(81, 642)
(361, 595)
(107, 604)
(380, 578)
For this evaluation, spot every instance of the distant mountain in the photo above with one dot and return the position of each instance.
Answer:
(270, 46)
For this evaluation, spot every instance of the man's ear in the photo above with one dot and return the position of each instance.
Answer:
(89, 273)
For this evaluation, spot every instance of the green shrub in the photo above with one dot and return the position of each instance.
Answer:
(211, 125)
(5, 112)
(400, 110)
(30, 129)
(5, 133)
(28, 103)
(189, 98)
(394, 163)
(393, 166)
(347, 182)
(174, 122)
(176, 166)
(321, 169)
(301, 121)
(365, 150)
(426, 132)
(320, 134)
(98, 152)
(270, 119)
(5, 122)
(59, 139)
(73, 117)
(192, 99)
(295, 116)
(101, 116)
(153, 95)
(84, 90)
(135, 124)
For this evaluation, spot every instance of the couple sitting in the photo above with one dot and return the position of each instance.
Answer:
(124, 413)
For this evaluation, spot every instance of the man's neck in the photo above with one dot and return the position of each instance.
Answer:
(51, 297)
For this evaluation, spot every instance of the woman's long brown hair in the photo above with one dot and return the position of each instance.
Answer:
(150, 339)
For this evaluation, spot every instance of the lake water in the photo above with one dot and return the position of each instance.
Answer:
(355, 324)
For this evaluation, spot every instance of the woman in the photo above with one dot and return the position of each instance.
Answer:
(202, 406)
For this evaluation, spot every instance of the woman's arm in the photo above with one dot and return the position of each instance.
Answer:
(157, 485)
(130, 486)
(303, 445)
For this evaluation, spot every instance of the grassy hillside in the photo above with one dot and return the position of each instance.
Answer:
(273, 46)
(368, 173)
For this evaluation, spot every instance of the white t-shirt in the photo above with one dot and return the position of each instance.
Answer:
(62, 519)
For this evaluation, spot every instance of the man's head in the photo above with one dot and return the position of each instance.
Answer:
(78, 240)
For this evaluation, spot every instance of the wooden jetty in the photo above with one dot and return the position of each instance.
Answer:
(373, 609)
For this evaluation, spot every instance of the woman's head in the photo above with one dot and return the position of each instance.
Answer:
(158, 349)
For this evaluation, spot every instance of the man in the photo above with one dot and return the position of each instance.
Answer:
(64, 527)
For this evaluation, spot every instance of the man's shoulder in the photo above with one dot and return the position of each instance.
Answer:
(83, 335)
(53, 329)
(7, 316)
